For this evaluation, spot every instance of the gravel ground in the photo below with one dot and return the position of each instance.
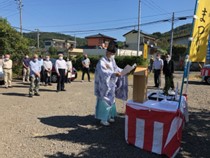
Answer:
(62, 125)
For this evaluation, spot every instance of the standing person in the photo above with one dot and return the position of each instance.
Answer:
(7, 69)
(151, 61)
(107, 81)
(47, 70)
(168, 70)
(86, 67)
(69, 70)
(26, 68)
(35, 70)
(61, 70)
(157, 68)
(42, 74)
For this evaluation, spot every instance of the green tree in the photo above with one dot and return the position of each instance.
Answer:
(53, 50)
(12, 42)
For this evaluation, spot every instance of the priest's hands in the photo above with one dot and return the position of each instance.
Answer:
(118, 74)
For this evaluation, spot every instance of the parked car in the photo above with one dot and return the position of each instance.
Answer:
(1, 75)
(54, 75)
(205, 73)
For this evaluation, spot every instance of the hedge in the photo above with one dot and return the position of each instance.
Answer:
(121, 61)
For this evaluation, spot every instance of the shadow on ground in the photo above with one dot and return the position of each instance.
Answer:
(196, 135)
(197, 83)
(103, 142)
(15, 94)
(107, 142)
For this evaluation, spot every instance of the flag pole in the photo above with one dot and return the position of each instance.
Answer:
(186, 65)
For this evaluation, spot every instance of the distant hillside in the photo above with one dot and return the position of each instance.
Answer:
(178, 31)
(32, 36)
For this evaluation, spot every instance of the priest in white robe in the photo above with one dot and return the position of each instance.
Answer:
(109, 83)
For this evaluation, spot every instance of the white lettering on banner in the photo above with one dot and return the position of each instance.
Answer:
(126, 128)
(140, 126)
(157, 137)
(175, 125)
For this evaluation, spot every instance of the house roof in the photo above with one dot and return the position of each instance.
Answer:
(100, 36)
(135, 31)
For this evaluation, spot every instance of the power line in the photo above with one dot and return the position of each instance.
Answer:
(106, 21)
(124, 27)
(115, 28)
(153, 6)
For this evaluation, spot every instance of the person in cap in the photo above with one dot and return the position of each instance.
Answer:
(7, 69)
(61, 70)
(35, 70)
(108, 84)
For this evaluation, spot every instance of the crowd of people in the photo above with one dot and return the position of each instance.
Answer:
(37, 71)
(109, 83)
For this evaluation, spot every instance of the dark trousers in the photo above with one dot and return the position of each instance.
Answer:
(47, 78)
(42, 74)
(61, 80)
(86, 70)
(169, 83)
(157, 78)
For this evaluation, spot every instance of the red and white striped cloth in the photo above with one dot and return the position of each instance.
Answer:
(205, 72)
(156, 131)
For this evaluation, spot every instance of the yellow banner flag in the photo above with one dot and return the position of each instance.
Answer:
(145, 51)
(200, 34)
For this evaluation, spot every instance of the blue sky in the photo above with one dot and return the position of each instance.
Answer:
(69, 16)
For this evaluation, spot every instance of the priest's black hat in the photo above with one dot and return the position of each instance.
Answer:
(112, 47)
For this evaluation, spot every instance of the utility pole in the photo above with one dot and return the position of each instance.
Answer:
(75, 40)
(139, 15)
(37, 38)
(172, 34)
(20, 12)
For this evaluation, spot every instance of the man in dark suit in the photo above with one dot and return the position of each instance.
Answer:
(168, 70)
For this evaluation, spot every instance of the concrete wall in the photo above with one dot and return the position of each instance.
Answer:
(120, 52)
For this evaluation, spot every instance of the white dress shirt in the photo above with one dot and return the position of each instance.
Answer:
(158, 64)
(47, 65)
(60, 64)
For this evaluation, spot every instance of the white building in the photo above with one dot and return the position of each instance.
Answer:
(58, 43)
(131, 41)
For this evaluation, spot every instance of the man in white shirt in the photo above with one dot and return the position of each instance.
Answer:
(86, 67)
(7, 69)
(69, 70)
(61, 70)
(157, 68)
(47, 71)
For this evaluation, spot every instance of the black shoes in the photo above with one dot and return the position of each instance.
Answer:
(37, 94)
(31, 95)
